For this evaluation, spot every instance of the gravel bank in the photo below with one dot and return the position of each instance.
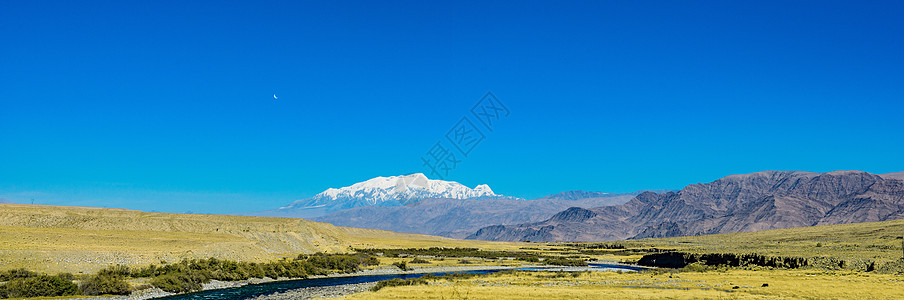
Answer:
(319, 292)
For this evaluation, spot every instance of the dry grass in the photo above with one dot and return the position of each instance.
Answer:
(879, 241)
(692, 285)
(876, 241)
(56, 239)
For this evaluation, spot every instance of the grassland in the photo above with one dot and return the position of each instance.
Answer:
(731, 284)
(875, 241)
(54, 239)
(83, 240)
(879, 242)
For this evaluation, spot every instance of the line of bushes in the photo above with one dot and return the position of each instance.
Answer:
(24, 283)
(557, 261)
(187, 276)
(699, 261)
(447, 252)
(681, 260)
(430, 277)
(38, 286)
(184, 276)
(398, 282)
(595, 245)
(704, 261)
(477, 253)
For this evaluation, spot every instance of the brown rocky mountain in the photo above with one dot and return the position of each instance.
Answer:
(737, 203)
(896, 175)
(459, 218)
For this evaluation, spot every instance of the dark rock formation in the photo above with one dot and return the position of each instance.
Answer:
(737, 203)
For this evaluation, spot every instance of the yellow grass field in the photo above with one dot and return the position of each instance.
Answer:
(873, 240)
(878, 241)
(55, 239)
(782, 284)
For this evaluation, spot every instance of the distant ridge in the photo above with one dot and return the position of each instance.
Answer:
(737, 203)
(460, 218)
(896, 175)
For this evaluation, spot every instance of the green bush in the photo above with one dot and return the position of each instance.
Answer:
(401, 265)
(891, 267)
(681, 259)
(398, 282)
(38, 286)
(116, 271)
(450, 252)
(16, 273)
(176, 283)
(418, 261)
(188, 275)
(697, 267)
(184, 276)
(565, 262)
(104, 284)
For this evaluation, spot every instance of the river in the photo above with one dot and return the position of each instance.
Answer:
(253, 290)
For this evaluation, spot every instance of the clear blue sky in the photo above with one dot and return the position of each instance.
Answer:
(168, 105)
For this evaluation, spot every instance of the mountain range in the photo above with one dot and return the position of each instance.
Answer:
(737, 203)
(459, 218)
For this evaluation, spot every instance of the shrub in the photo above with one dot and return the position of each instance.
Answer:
(398, 282)
(892, 267)
(450, 252)
(105, 284)
(697, 267)
(559, 275)
(38, 286)
(116, 271)
(16, 273)
(66, 276)
(190, 275)
(565, 262)
(175, 283)
(149, 271)
(401, 265)
(418, 261)
(681, 259)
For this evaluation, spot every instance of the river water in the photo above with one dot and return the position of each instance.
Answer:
(253, 290)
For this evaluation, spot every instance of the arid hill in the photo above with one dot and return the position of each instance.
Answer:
(83, 239)
(737, 203)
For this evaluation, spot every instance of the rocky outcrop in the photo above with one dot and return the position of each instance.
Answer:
(573, 214)
(737, 203)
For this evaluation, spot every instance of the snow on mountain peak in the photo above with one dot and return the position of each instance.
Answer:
(406, 188)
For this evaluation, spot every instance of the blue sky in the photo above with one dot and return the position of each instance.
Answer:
(168, 105)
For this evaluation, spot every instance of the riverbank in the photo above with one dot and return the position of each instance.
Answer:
(319, 292)
(151, 293)
(336, 291)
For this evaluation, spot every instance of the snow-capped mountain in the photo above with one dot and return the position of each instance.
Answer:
(405, 189)
(382, 191)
